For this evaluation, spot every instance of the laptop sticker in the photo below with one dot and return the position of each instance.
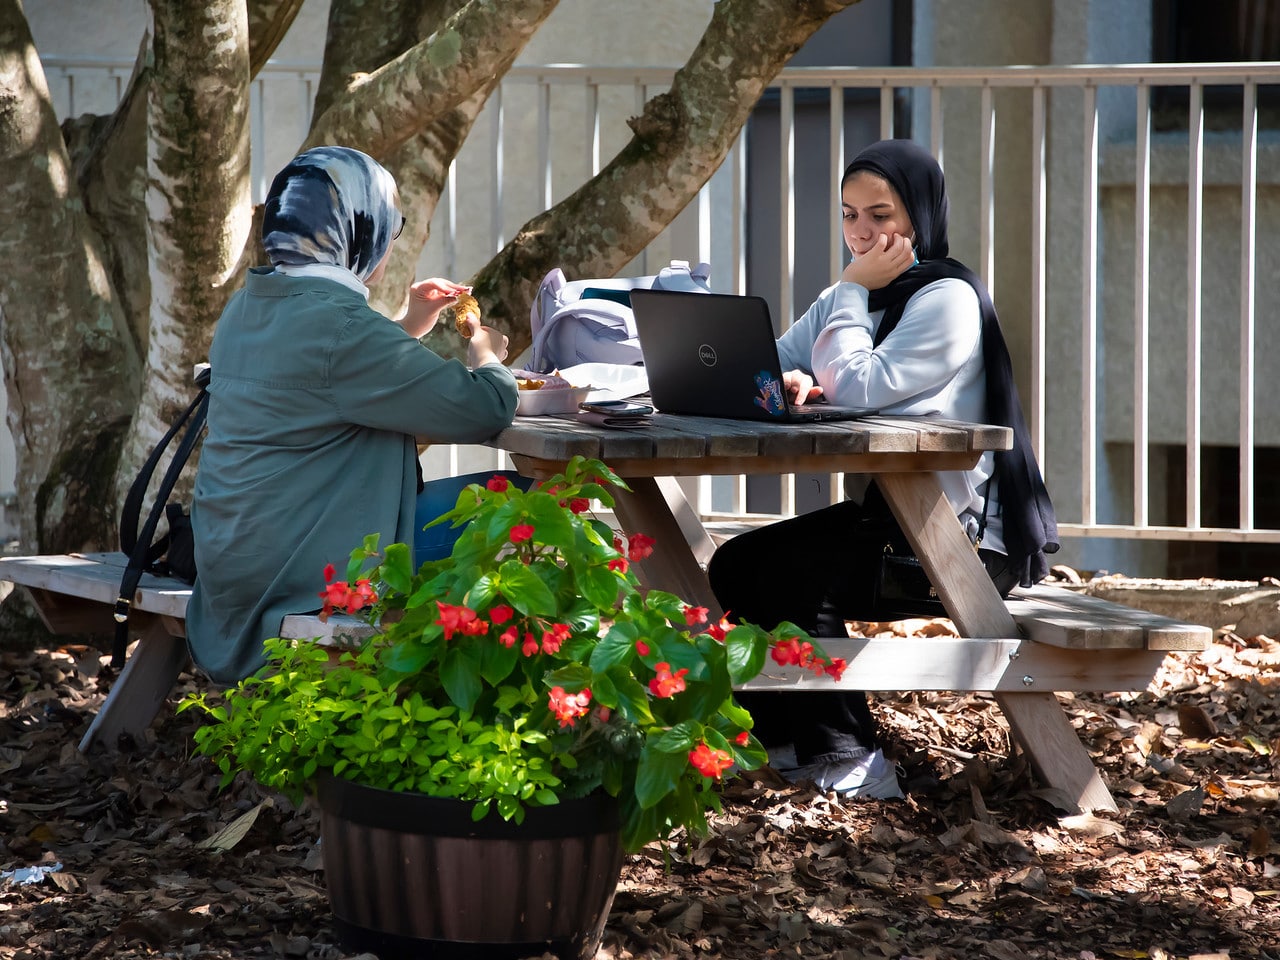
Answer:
(770, 399)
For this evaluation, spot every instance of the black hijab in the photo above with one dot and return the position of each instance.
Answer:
(1030, 527)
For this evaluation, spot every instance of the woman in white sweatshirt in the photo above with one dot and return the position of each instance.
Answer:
(908, 331)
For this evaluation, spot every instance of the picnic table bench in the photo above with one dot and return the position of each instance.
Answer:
(1022, 650)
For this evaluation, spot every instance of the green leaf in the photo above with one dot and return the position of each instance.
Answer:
(603, 691)
(633, 700)
(497, 661)
(746, 650)
(681, 738)
(599, 584)
(657, 774)
(524, 590)
(460, 677)
(551, 524)
(503, 519)
(572, 677)
(482, 592)
(397, 567)
(617, 647)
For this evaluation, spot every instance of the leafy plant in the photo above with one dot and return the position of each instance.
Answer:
(526, 668)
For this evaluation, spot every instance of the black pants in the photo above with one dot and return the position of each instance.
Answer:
(816, 570)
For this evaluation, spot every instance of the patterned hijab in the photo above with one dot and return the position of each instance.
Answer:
(1030, 526)
(331, 205)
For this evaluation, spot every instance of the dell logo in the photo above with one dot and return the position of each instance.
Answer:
(707, 354)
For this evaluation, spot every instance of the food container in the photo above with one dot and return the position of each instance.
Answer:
(556, 395)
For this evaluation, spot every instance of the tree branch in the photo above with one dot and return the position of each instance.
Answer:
(680, 140)
(382, 110)
(269, 21)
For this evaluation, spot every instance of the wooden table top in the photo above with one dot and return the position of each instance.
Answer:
(672, 445)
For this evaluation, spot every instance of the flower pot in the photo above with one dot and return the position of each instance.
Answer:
(413, 876)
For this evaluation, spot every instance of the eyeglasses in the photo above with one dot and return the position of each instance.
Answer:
(400, 229)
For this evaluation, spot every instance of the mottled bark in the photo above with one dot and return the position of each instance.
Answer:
(679, 142)
(198, 201)
(67, 355)
(381, 110)
(361, 36)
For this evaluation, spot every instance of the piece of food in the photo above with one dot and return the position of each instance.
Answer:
(466, 305)
(529, 384)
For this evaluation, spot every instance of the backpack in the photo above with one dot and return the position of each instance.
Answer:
(585, 321)
(173, 555)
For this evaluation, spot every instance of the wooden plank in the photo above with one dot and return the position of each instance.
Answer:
(339, 630)
(1158, 631)
(96, 577)
(140, 690)
(1078, 629)
(65, 614)
(672, 566)
(977, 609)
(968, 664)
(930, 525)
(982, 436)
(931, 434)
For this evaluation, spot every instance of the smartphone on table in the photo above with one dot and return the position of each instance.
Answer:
(616, 408)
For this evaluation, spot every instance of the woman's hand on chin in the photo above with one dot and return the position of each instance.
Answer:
(882, 264)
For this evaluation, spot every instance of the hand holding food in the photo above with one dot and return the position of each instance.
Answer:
(464, 308)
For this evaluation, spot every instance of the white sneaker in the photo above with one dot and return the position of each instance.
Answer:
(870, 775)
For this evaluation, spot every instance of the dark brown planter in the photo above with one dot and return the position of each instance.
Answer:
(413, 876)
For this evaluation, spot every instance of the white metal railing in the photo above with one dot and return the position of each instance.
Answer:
(1090, 508)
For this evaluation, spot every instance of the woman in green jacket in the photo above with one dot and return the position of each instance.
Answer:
(314, 406)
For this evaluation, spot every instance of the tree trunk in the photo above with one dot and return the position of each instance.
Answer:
(198, 200)
(68, 358)
(680, 141)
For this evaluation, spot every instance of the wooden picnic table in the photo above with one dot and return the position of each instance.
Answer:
(903, 453)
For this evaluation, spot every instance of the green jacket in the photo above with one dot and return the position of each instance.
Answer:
(314, 405)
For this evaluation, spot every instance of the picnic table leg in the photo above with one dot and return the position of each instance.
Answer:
(651, 508)
(140, 690)
(1036, 719)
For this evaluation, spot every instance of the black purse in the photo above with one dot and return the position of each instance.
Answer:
(902, 588)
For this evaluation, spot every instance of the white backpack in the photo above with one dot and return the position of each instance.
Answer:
(590, 321)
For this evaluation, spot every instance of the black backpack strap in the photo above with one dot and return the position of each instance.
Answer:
(137, 543)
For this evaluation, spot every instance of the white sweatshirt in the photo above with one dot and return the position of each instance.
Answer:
(930, 365)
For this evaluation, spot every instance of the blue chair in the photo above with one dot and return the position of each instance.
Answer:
(439, 497)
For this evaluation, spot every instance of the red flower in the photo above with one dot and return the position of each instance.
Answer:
(568, 706)
(530, 645)
(695, 615)
(786, 653)
(742, 738)
(501, 614)
(521, 532)
(460, 620)
(720, 630)
(639, 546)
(617, 543)
(498, 483)
(509, 636)
(836, 667)
(710, 762)
(340, 596)
(579, 504)
(667, 684)
(553, 638)
(642, 648)
(618, 565)
(329, 571)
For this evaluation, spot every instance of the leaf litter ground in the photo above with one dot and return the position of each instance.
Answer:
(142, 856)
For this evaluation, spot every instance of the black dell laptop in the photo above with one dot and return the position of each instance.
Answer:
(714, 355)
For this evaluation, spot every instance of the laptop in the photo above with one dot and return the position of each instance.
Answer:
(714, 355)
